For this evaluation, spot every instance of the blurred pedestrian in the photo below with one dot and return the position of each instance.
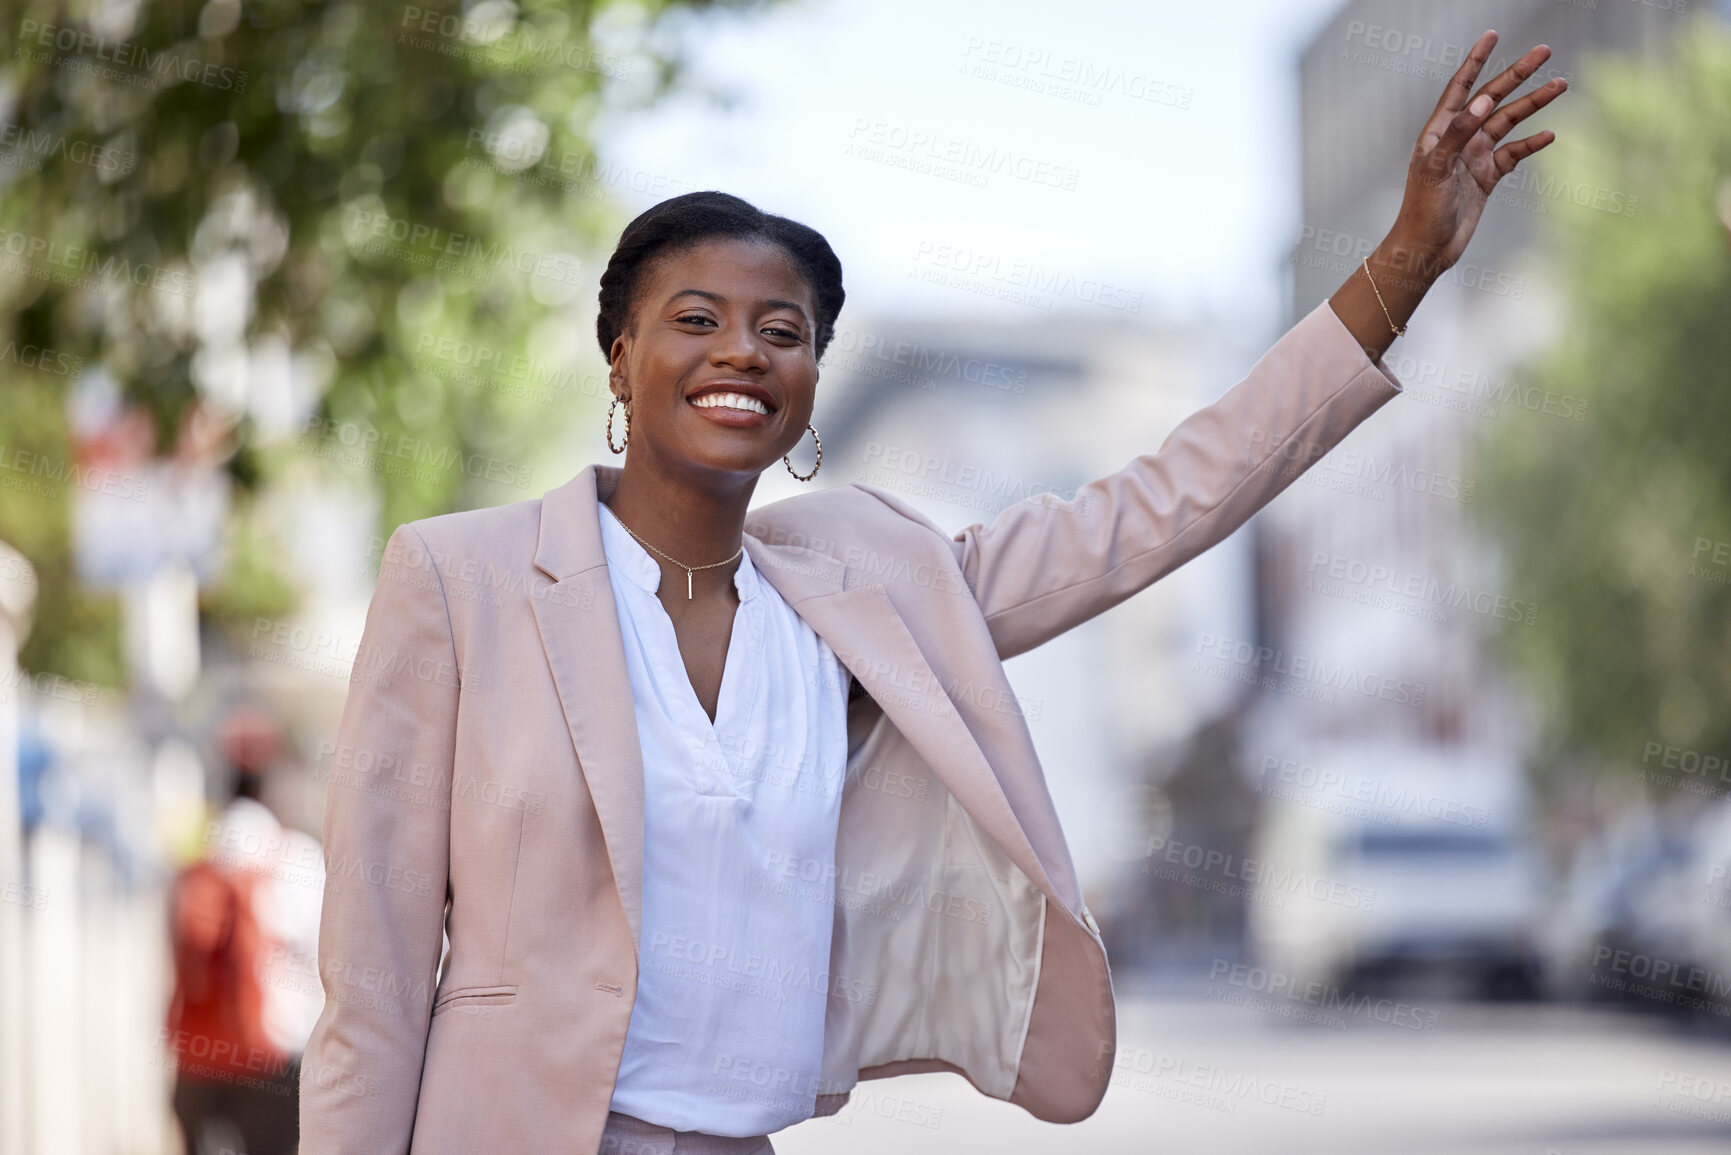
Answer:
(244, 926)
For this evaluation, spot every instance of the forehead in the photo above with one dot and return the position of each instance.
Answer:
(731, 267)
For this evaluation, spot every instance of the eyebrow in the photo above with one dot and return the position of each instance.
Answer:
(768, 302)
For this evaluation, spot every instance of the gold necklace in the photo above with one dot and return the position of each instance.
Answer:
(689, 569)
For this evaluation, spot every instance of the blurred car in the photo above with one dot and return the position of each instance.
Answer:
(1707, 939)
(1645, 918)
(1390, 866)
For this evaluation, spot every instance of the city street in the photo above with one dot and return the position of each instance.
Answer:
(1200, 1076)
(1267, 492)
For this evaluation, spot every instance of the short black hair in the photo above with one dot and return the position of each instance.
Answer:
(684, 221)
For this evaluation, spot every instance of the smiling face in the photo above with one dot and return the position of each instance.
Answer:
(718, 362)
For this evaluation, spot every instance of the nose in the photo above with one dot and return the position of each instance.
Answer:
(736, 346)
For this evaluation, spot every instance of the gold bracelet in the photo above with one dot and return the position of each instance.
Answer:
(1397, 330)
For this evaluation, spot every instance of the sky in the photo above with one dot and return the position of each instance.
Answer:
(1135, 160)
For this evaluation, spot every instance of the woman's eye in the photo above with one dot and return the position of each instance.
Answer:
(787, 333)
(691, 318)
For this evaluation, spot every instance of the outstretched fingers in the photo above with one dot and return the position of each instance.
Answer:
(1507, 117)
(1513, 153)
(1516, 74)
(1478, 111)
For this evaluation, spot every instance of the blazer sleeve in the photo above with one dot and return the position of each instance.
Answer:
(1044, 565)
(386, 858)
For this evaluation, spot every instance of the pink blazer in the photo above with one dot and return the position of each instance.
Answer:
(487, 788)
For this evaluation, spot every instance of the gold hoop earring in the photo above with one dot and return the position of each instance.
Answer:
(620, 448)
(787, 460)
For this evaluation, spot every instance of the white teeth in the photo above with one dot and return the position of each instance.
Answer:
(731, 401)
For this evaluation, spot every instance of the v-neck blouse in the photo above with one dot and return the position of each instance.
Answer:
(739, 829)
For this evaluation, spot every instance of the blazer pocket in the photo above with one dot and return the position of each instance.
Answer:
(475, 997)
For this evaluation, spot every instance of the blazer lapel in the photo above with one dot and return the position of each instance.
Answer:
(579, 625)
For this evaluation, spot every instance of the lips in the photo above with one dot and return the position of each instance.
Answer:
(733, 397)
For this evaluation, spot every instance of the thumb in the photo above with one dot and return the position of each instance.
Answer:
(1461, 129)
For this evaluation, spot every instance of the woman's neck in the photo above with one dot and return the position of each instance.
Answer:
(697, 521)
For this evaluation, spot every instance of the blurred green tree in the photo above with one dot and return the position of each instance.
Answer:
(291, 237)
(1620, 528)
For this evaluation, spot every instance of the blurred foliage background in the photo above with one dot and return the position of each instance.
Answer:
(1615, 531)
(273, 237)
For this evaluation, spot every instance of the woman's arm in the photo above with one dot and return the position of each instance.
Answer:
(1043, 566)
(386, 867)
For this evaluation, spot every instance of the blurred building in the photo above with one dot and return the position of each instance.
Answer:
(1403, 505)
(1367, 83)
(1371, 562)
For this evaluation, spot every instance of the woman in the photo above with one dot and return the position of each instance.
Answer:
(721, 812)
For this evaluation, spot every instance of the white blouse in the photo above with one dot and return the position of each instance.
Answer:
(739, 826)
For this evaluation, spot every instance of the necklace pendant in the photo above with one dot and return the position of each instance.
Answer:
(687, 585)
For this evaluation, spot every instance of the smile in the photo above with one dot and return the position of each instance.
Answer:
(730, 401)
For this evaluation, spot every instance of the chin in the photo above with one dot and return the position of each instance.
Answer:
(730, 458)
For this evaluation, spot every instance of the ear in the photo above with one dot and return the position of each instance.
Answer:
(616, 369)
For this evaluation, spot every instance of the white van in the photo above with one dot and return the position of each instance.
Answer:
(1383, 863)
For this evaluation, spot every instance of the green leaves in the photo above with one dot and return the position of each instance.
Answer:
(354, 238)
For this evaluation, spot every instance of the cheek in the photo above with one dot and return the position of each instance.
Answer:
(659, 375)
(800, 406)
(802, 383)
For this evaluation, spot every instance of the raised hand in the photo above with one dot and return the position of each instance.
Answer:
(1457, 163)
(1455, 166)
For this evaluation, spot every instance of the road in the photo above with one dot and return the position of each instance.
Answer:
(1379, 1078)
